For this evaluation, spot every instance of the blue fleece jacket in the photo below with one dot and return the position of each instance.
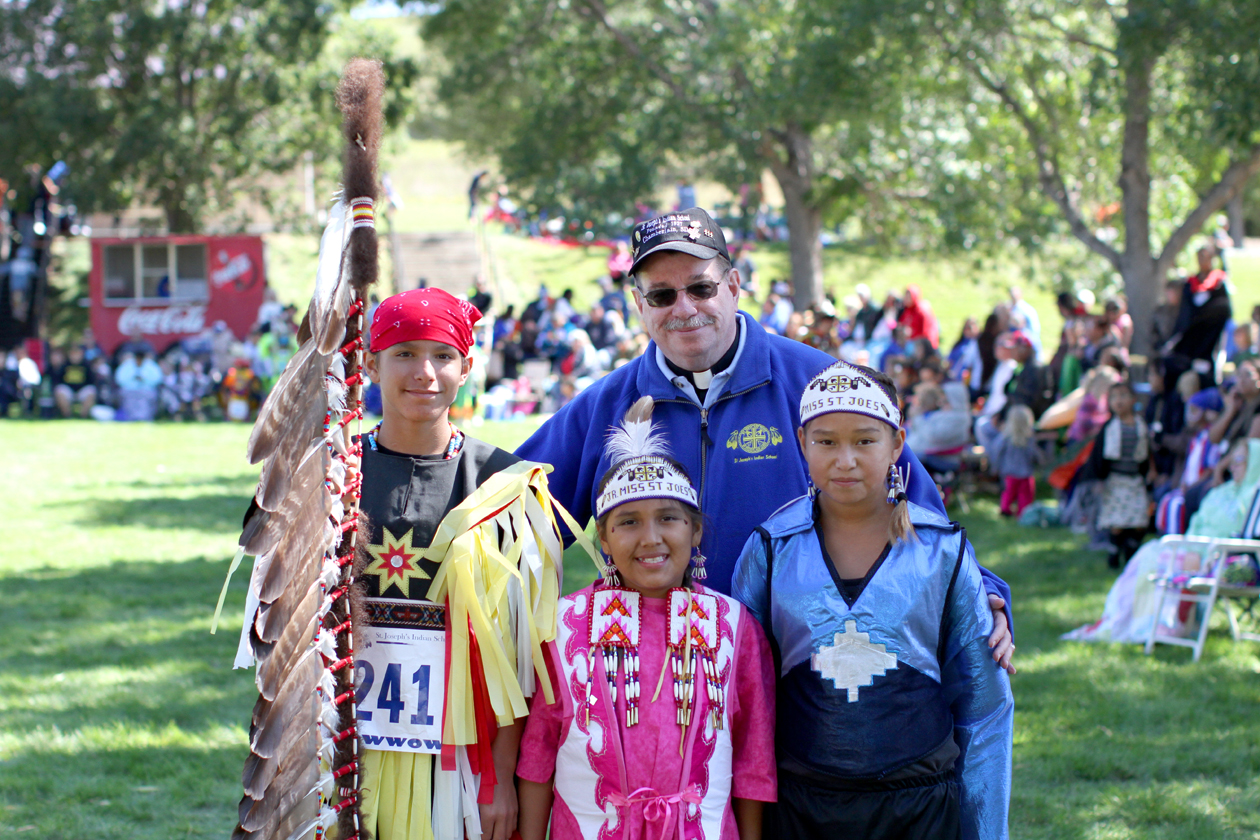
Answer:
(740, 449)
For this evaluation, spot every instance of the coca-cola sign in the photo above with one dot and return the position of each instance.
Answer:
(238, 269)
(166, 320)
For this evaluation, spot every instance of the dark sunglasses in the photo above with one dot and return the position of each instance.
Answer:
(704, 290)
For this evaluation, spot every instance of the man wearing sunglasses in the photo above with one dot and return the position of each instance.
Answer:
(727, 393)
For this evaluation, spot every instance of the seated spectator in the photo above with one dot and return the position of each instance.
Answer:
(965, 365)
(1116, 311)
(563, 306)
(931, 369)
(74, 382)
(106, 390)
(91, 349)
(619, 261)
(775, 312)
(905, 376)
(1197, 457)
(584, 364)
(897, 347)
(797, 329)
(1242, 402)
(553, 343)
(1164, 318)
(138, 381)
(614, 297)
(601, 329)
(240, 393)
(1098, 338)
(994, 325)
(1246, 342)
(918, 316)
(1238, 420)
(275, 348)
(823, 334)
(936, 428)
(1030, 384)
(136, 345)
(1093, 412)
(1026, 315)
(1005, 368)
(20, 378)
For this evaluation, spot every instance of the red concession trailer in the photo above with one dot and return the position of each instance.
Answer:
(173, 287)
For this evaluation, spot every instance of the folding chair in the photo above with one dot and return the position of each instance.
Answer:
(1206, 589)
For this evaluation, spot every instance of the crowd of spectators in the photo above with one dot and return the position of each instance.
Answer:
(211, 376)
(1132, 443)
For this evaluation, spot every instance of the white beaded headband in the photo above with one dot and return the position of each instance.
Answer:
(641, 469)
(846, 388)
(649, 477)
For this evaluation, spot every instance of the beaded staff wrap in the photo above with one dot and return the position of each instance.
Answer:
(364, 217)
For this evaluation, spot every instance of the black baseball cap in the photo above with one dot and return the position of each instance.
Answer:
(690, 231)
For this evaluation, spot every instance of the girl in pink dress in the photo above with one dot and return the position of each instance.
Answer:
(663, 720)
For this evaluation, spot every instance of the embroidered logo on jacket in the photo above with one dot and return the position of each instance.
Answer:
(754, 438)
(852, 661)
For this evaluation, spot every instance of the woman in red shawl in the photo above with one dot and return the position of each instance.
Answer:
(918, 316)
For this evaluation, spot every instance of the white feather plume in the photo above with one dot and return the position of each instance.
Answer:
(637, 436)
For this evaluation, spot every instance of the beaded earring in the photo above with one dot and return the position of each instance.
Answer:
(896, 485)
(609, 573)
(697, 559)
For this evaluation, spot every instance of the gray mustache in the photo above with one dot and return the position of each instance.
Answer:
(690, 323)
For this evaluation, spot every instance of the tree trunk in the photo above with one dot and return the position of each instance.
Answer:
(1137, 263)
(794, 170)
(178, 219)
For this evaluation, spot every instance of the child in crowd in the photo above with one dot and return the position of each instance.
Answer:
(615, 756)
(1093, 411)
(1121, 459)
(1200, 457)
(1015, 457)
(893, 721)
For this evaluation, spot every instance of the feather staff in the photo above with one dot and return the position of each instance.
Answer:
(302, 774)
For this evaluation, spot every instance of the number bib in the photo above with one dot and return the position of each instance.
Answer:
(400, 672)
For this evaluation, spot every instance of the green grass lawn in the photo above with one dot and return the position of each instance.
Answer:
(120, 716)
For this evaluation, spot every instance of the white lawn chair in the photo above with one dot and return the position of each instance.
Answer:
(1206, 588)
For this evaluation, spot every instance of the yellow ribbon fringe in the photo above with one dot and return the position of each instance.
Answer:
(480, 582)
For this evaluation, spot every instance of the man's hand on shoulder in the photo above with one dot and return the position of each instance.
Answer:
(1000, 640)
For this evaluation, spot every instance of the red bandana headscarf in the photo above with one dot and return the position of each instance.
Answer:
(424, 314)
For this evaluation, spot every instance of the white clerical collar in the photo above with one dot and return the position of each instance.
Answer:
(716, 381)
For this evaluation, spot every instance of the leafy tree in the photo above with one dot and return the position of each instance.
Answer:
(1138, 118)
(182, 102)
(587, 101)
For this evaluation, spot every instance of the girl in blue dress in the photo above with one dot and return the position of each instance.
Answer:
(893, 720)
